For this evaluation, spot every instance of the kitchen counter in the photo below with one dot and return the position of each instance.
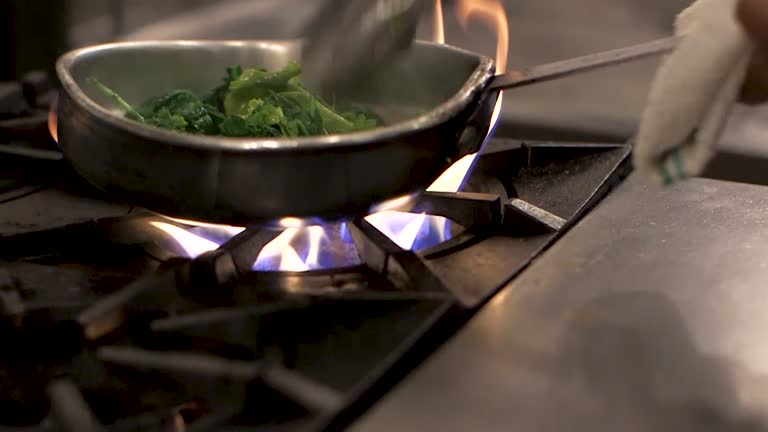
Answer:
(649, 315)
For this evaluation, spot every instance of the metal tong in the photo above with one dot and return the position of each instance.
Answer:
(349, 39)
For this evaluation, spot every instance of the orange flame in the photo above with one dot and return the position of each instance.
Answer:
(491, 12)
(231, 230)
(281, 247)
(53, 122)
(439, 30)
(404, 237)
(192, 244)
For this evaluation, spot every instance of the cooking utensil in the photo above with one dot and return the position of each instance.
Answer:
(350, 39)
(431, 123)
(586, 63)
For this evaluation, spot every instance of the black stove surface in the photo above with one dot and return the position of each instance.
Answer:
(110, 324)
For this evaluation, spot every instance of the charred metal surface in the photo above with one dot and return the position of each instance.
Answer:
(70, 411)
(209, 317)
(12, 102)
(562, 180)
(384, 256)
(218, 379)
(559, 178)
(465, 208)
(215, 270)
(97, 233)
(310, 394)
(24, 109)
(112, 312)
(522, 218)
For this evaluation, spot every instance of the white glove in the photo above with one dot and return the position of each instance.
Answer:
(693, 92)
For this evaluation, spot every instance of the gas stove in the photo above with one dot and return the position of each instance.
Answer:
(117, 318)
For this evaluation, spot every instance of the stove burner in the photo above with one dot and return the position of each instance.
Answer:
(24, 110)
(315, 247)
(311, 248)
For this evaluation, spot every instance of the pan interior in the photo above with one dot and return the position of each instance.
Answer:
(422, 79)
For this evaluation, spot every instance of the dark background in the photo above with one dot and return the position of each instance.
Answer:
(32, 33)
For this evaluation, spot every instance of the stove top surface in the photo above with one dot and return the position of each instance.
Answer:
(647, 316)
(119, 318)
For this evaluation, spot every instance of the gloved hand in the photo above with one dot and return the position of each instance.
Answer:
(693, 92)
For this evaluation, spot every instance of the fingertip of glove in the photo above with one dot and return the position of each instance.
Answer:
(665, 171)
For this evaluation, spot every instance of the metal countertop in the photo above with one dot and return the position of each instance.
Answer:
(649, 315)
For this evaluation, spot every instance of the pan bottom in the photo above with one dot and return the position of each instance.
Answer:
(403, 203)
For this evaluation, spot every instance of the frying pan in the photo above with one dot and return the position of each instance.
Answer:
(437, 102)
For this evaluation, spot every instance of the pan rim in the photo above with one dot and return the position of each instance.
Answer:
(476, 83)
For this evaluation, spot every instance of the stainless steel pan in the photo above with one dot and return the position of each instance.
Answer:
(437, 101)
(433, 100)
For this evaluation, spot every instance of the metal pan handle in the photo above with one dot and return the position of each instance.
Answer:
(559, 69)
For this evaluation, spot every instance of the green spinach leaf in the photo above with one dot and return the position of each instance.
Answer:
(248, 103)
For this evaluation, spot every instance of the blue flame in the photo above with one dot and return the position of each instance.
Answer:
(315, 247)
